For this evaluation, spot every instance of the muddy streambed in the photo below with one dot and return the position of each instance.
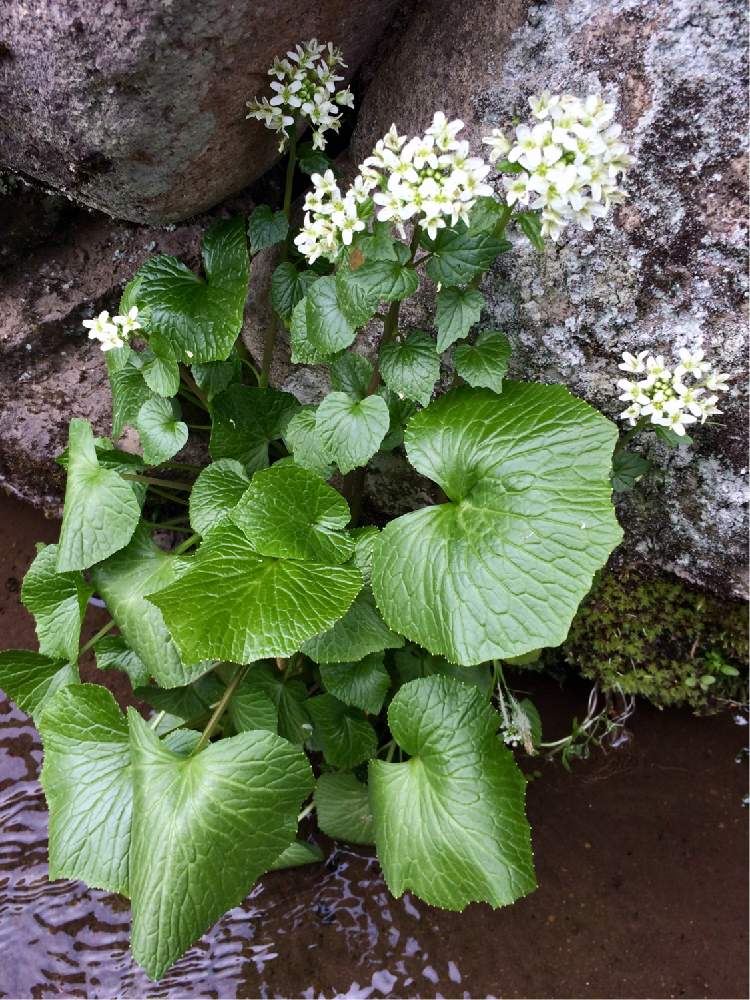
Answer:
(641, 856)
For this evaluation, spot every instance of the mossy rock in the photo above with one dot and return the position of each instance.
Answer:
(660, 639)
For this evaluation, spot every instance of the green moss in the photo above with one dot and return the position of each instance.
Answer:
(662, 640)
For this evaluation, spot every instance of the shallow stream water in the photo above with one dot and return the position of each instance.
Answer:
(641, 855)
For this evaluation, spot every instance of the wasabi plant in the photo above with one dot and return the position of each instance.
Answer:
(299, 661)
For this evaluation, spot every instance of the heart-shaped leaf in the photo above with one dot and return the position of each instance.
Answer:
(342, 807)
(362, 685)
(460, 254)
(216, 376)
(266, 228)
(502, 567)
(345, 735)
(58, 603)
(305, 443)
(484, 363)
(352, 430)
(87, 782)
(129, 388)
(234, 604)
(359, 632)
(245, 421)
(318, 326)
(205, 827)
(265, 683)
(198, 320)
(31, 679)
(351, 373)
(161, 431)
(101, 509)
(382, 280)
(449, 822)
(161, 374)
(216, 492)
(288, 287)
(411, 367)
(456, 311)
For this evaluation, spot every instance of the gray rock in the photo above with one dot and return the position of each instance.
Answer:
(667, 270)
(137, 108)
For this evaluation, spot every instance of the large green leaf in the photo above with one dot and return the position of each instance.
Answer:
(87, 782)
(345, 735)
(501, 568)
(290, 513)
(288, 287)
(161, 431)
(245, 421)
(456, 311)
(58, 603)
(237, 605)
(460, 254)
(196, 319)
(449, 822)
(123, 581)
(411, 367)
(304, 442)
(205, 827)
(113, 653)
(359, 632)
(342, 806)
(215, 494)
(318, 326)
(484, 363)
(363, 684)
(31, 679)
(352, 430)
(101, 509)
(266, 228)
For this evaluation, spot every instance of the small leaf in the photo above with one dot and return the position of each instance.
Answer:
(252, 708)
(216, 376)
(216, 492)
(412, 663)
(290, 513)
(161, 374)
(318, 326)
(205, 827)
(266, 228)
(673, 439)
(31, 679)
(161, 431)
(627, 469)
(411, 367)
(312, 161)
(400, 412)
(113, 653)
(304, 442)
(198, 319)
(352, 431)
(356, 302)
(189, 703)
(380, 244)
(485, 215)
(530, 224)
(501, 568)
(288, 287)
(363, 685)
(123, 581)
(459, 254)
(359, 632)
(342, 806)
(456, 311)
(449, 822)
(129, 389)
(58, 603)
(382, 280)
(234, 604)
(351, 373)
(87, 782)
(347, 738)
(286, 695)
(245, 421)
(299, 853)
(101, 510)
(484, 363)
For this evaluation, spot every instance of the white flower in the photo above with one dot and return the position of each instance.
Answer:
(105, 330)
(304, 87)
(572, 158)
(499, 144)
(633, 363)
(129, 323)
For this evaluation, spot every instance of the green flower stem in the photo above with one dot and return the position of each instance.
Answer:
(627, 437)
(183, 465)
(272, 331)
(171, 484)
(220, 709)
(96, 637)
(306, 811)
(168, 496)
(190, 397)
(199, 427)
(184, 546)
(194, 388)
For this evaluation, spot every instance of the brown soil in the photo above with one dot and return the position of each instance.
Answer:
(641, 856)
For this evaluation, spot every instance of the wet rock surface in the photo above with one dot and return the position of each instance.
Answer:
(137, 108)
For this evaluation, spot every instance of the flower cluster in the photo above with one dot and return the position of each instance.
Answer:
(115, 331)
(430, 179)
(672, 398)
(569, 164)
(304, 88)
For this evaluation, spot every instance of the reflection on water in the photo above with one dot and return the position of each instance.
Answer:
(334, 926)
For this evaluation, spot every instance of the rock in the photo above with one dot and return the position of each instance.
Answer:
(668, 269)
(138, 108)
